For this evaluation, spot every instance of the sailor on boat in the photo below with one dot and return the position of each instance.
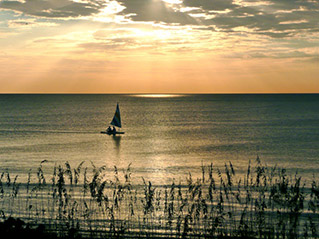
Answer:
(109, 129)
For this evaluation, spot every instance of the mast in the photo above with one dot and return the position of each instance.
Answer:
(116, 121)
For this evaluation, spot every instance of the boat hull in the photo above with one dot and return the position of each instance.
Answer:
(111, 133)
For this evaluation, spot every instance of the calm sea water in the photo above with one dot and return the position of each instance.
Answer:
(165, 137)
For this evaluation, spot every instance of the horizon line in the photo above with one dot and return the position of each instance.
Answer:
(149, 93)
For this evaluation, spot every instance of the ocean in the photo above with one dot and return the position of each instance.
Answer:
(166, 136)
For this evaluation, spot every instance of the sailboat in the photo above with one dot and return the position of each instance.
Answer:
(116, 122)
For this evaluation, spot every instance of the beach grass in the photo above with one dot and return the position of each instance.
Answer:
(84, 201)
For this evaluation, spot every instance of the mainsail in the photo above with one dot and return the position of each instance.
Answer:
(117, 117)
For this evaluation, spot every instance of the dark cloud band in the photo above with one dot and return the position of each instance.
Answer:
(275, 18)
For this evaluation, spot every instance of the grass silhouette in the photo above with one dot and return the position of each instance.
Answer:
(84, 202)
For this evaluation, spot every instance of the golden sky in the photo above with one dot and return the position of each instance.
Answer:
(159, 46)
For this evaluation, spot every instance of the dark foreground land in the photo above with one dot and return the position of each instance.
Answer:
(16, 228)
(261, 203)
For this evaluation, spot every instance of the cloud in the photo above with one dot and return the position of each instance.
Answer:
(53, 8)
(273, 18)
(27, 23)
(216, 5)
(164, 26)
(314, 60)
(154, 11)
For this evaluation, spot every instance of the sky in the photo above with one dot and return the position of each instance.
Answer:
(159, 46)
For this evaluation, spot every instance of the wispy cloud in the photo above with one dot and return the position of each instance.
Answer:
(29, 23)
(54, 8)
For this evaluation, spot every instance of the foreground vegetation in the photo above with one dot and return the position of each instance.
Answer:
(83, 202)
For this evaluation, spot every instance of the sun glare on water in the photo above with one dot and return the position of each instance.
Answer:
(158, 95)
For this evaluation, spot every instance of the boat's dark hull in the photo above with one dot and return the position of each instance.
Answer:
(111, 133)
